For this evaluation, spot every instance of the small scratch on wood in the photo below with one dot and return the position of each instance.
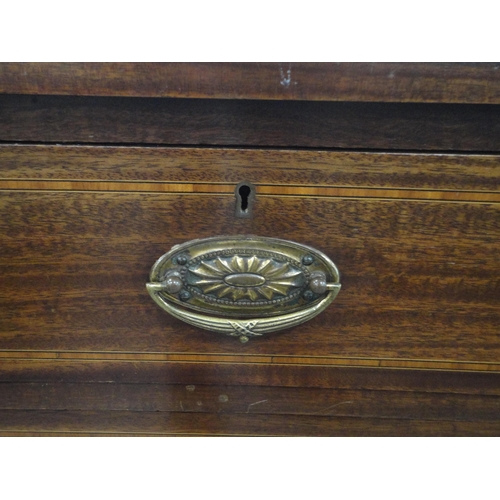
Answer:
(182, 407)
(333, 406)
(256, 403)
(286, 80)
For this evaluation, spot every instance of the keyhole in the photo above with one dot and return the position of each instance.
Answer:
(245, 193)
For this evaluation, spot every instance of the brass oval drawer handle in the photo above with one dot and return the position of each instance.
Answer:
(243, 286)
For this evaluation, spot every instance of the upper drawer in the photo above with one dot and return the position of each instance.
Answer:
(415, 238)
(220, 122)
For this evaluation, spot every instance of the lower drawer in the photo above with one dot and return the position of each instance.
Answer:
(419, 279)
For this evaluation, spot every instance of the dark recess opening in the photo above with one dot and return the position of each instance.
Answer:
(244, 194)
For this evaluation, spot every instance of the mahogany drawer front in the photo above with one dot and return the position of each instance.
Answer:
(419, 264)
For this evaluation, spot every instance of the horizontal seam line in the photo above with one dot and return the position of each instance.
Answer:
(278, 356)
(265, 184)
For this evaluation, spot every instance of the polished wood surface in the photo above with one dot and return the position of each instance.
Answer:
(273, 171)
(162, 398)
(388, 82)
(411, 285)
(95, 368)
(124, 423)
(248, 400)
(403, 196)
(215, 122)
(201, 188)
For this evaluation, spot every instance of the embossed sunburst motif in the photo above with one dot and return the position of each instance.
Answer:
(239, 277)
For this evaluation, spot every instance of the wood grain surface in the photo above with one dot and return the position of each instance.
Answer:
(388, 82)
(110, 397)
(213, 122)
(293, 170)
(388, 168)
(248, 400)
(74, 269)
(201, 188)
(162, 423)
(270, 374)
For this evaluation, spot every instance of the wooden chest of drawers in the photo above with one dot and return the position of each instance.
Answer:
(103, 168)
